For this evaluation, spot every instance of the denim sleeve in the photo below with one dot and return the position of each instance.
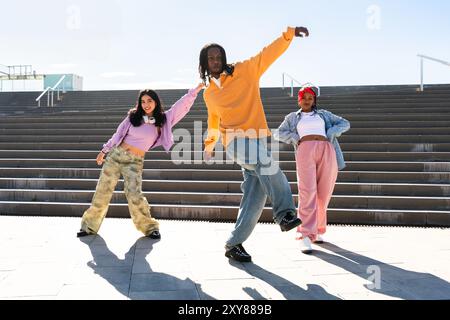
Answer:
(339, 126)
(287, 132)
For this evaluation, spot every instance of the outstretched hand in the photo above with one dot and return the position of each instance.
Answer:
(200, 86)
(301, 32)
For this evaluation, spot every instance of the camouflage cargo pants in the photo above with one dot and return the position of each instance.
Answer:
(120, 161)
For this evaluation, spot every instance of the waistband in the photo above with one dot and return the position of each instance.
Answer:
(318, 142)
(123, 151)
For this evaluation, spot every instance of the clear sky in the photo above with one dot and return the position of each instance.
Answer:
(134, 44)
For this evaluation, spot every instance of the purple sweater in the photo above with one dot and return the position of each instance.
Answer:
(173, 116)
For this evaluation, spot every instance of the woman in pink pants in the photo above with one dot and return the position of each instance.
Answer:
(314, 134)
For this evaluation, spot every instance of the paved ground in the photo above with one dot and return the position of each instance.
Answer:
(41, 258)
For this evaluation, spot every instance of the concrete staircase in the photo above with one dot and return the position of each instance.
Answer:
(397, 152)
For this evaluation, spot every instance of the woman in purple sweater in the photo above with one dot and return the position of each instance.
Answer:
(145, 127)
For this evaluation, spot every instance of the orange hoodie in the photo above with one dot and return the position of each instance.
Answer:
(236, 109)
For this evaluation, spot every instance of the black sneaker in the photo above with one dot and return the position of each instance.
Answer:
(83, 233)
(238, 253)
(242, 249)
(289, 222)
(154, 235)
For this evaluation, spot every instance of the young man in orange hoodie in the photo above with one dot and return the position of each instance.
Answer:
(236, 113)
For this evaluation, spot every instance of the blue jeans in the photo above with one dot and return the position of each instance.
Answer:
(262, 178)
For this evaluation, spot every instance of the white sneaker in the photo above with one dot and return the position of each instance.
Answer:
(306, 246)
(319, 239)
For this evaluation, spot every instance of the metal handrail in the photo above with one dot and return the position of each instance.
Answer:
(284, 75)
(422, 57)
(50, 91)
(6, 67)
(38, 99)
(59, 82)
(56, 86)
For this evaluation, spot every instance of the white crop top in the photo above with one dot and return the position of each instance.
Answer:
(311, 124)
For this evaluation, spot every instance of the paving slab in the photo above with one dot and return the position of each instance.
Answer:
(42, 259)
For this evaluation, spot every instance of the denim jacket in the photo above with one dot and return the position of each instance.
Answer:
(334, 127)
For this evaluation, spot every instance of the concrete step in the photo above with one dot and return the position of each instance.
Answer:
(281, 155)
(228, 213)
(223, 175)
(168, 100)
(167, 97)
(323, 102)
(353, 138)
(226, 199)
(276, 114)
(361, 147)
(341, 188)
(94, 118)
(189, 124)
(110, 131)
(351, 106)
(278, 92)
(229, 165)
(101, 139)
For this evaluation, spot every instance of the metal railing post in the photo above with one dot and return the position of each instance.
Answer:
(299, 83)
(422, 57)
(421, 74)
(51, 91)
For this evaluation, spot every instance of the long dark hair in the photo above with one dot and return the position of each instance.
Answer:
(203, 62)
(138, 112)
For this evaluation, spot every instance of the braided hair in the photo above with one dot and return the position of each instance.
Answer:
(203, 62)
